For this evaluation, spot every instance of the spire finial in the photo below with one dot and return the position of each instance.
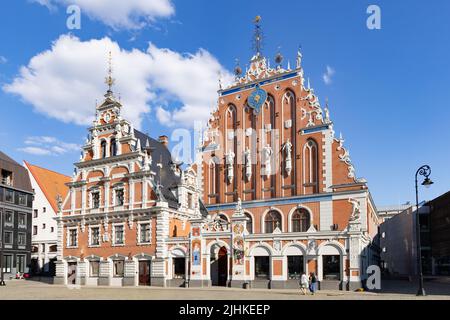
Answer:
(257, 41)
(109, 80)
(299, 56)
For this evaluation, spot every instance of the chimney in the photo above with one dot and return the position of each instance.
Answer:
(164, 140)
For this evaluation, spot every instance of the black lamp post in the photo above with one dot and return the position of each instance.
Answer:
(423, 171)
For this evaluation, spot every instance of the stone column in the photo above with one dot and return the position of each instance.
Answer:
(104, 278)
(196, 257)
(60, 265)
(158, 269)
(81, 273)
(238, 260)
(354, 243)
(130, 273)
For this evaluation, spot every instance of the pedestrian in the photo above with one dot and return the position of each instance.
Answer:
(313, 283)
(303, 283)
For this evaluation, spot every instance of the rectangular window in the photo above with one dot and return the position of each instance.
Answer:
(43, 226)
(262, 267)
(95, 236)
(94, 268)
(118, 268)
(9, 218)
(145, 233)
(22, 199)
(7, 263)
(52, 229)
(34, 230)
(295, 267)
(118, 235)
(73, 238)
(35, 215)
(22, 219)
(95, 200)
(190, 201)
(44, 209)
(119, 197)
(21, 239)
(8, 238)
(9, 195)
(20, 263)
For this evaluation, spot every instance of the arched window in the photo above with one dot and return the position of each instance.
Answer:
(249, 222)
(272, 220)
(310, 165)
(103, 149)
(113, 147)
(212, 178)
(300, 221)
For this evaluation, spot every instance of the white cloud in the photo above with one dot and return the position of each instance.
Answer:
(327, 76)
(45, 145)
(3, 60)
(119, 14)
(65, 81)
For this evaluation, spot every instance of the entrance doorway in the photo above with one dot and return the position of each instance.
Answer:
(71, 272)
(219, 266)
(331, 267)
(144, 273)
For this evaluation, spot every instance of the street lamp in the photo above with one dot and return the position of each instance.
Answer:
(423, 171)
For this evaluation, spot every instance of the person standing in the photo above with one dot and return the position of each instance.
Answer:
(313, 283)
(303, 283)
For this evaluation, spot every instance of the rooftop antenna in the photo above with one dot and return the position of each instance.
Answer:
(257, 36)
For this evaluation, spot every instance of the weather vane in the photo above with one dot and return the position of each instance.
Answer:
(257, 40)
(109, 79)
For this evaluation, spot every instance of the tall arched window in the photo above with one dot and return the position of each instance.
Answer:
(249, 222)
(310, 165)
(113, 147)
(212, 178)
(103, 149)
(272, 220)
(300, 220)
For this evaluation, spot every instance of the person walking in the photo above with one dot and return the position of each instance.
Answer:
(303, 283)
(313, 283)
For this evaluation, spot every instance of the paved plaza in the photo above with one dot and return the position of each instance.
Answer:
(35, 290)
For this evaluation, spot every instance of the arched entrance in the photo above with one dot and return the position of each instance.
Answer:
(219, 266)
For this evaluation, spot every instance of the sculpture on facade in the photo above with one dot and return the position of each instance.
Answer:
(248, 163)
(287, 148)
(230, 161)
(356, 211)
(267, 154)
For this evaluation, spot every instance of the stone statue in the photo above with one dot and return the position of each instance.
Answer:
(230, 161)
(287, 147)
(147, 161)
(356, 211)
(248, 163)
(267, 154)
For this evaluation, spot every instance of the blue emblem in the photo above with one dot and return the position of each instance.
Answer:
(257, 99)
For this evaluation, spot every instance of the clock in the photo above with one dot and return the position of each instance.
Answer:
(107, 117)
(257, 99)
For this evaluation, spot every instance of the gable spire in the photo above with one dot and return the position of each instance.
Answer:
(257, 40)
(109, 80)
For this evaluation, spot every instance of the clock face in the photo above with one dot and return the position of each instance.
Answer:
(107, 117)
(257, 99)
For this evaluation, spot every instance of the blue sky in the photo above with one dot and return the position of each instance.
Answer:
(388, 95)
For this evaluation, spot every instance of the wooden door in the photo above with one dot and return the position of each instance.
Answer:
(144, 273)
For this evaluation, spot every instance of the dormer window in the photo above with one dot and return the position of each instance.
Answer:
(6, 177)
(113, 148)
